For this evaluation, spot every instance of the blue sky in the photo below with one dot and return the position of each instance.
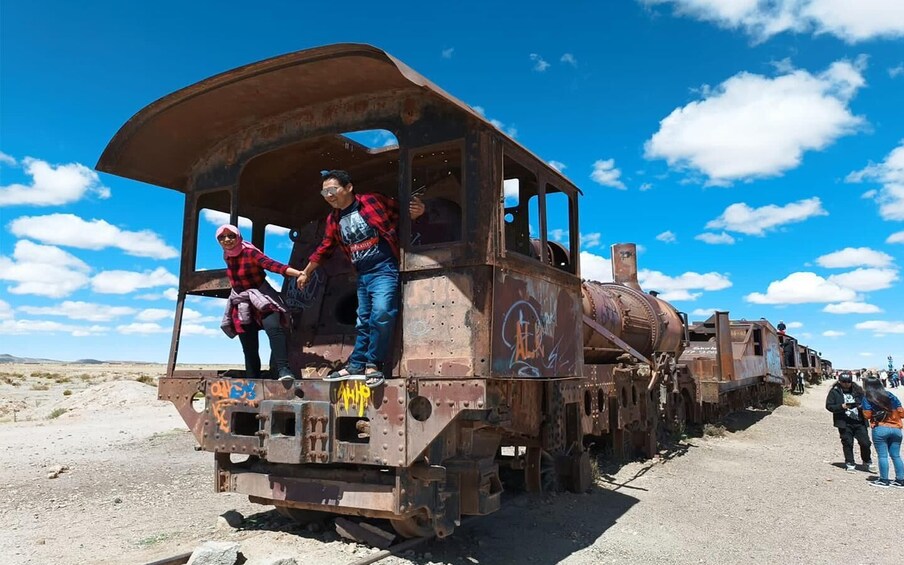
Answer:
(753, 149)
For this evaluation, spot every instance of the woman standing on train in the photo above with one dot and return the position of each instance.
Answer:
(254, 304)
(885, 414)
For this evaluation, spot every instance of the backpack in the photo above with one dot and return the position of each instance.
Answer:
(878, 417)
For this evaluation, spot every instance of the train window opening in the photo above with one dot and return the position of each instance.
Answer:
(373, 138)
(437, 179)
(245, 423)
(521, 218)
(758, 341)
(560, 239)
(283, 424)
(347, 429)
(588, 403)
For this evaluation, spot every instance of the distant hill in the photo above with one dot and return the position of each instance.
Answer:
(88, 362)
(7, 358)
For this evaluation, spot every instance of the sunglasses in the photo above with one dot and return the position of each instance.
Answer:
(226, 236)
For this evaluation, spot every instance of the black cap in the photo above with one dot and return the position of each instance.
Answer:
(845, 378)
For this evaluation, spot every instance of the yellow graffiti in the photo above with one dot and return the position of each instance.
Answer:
(353, 394)
(524, 350)
(228, 393)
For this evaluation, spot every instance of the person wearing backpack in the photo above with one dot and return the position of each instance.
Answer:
(885, 415)
(843, 402)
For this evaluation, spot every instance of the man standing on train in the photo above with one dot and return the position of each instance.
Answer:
(366, 228)
(843, 402)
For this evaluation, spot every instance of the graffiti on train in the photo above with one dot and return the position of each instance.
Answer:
(530, 339)
(226, 393)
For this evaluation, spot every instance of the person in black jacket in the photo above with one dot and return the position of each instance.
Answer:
(843, 402)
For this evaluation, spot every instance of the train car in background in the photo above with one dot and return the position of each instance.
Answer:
(729, 365)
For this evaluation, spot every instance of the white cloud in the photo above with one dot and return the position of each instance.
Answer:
(44, 270)
(667, 236)
(142, 328)
(558, 165)
(44, 327)
(742, 218)
(168, 294)
(569, 59)
(219, 218)
(124, 282)
(559, 235)
(851, 308)
(851, 21)
(897, 237)
(752, 126)
(679, 288)
(881, 327)
(7, 160)
(866, 354)
(802, 288)
(595, 267)
(645, 187)
(73, 231)
(52, 185)
(154, 314)
(590, 240)
(716, 238)
(896, 71)
(832, 333)
(77, 310)
(510, 131)
(447, 53)
(198, 329)
(605, 173)
(866, 280)
(540, 65)
(6, 311)
(890, 174)
(705, 311)
(794, 325)
(855, 257)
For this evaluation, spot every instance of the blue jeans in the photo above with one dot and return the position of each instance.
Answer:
(888, 444)
(378, 308)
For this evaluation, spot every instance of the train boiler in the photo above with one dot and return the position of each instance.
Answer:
(506, 361)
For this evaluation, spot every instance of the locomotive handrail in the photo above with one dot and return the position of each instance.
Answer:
(615, 339)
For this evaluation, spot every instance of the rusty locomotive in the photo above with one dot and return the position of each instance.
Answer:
(506, 361)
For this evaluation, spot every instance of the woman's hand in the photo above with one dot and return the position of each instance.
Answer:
(416, 208)
(302, 280)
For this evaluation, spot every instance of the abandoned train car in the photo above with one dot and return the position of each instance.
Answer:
(506, 359)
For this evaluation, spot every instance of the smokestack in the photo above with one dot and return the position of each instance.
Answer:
(624, 264)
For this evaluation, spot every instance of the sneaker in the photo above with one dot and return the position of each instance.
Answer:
(898, 484)
(880, 483)
(285, 375)
(849, 467)
(871, 467)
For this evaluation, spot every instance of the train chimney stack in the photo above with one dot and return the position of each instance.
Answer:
(624, 265)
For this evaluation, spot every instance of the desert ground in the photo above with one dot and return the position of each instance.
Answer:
(95, 470)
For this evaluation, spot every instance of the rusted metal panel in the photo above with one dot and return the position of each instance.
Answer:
(436, 405)
(444, 334)
(320, 494)
(537, 329)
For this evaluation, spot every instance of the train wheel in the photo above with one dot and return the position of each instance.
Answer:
(302, 516)
(542, 473)
(416, 526)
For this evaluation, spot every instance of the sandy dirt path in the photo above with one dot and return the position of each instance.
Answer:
(771, 491)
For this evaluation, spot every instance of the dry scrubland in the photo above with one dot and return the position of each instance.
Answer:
(127, 487)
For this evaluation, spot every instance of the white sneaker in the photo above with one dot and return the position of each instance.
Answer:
(871, 467)
(849, 467)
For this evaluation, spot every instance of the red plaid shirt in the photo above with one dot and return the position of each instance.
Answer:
(379, 211)
(246, 270)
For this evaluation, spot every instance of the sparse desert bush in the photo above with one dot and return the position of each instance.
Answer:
(789, 399)
(67, 392)
(714, 430)
(56, 413)
(40, 386)
(48, 376)
(147, 379)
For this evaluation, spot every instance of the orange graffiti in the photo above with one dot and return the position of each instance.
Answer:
(524, 350)
(353, 394)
